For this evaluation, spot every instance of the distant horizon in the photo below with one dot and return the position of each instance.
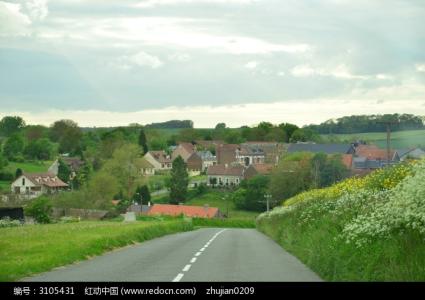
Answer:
(295, 112)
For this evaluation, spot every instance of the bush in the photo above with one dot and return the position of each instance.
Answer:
(6, 176)
(7, 222)
(40, 209)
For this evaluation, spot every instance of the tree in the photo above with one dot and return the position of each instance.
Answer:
(64, 172)
(3, 160)
(291, 177)
(253, 191)
(142, 141)
(11, 125)
(125, 166)
(83, 175)
(41, 149)
(40, 210)
(14, 147)
(18, 173)
(101, 189)
(289, 130)
(142, 195)
(67, 134)
(179, 181)
(35, 132)
(220, 126)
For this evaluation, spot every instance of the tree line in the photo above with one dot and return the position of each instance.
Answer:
(369, 123)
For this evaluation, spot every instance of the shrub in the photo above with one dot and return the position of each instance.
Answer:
(40, 210)
(7, 222)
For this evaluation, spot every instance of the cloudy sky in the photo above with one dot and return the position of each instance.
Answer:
(105, 62)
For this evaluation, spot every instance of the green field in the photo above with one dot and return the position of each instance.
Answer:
(32, 249)
(399, 139)
(30, 167)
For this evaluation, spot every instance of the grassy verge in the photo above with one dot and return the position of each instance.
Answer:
(33, 249)
(400, 258)
(227, 223)
(361, 229)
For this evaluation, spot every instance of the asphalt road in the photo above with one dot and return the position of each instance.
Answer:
(210, 254)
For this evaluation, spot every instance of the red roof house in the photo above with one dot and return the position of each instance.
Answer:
(187, 210)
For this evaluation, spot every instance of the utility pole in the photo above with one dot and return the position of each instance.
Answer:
(388, 127)
(267, 196)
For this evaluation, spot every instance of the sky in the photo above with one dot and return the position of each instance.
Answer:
(111, 63)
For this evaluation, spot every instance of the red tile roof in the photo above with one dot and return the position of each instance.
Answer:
(263, 169)
(373, 152)
(187, 210)
(161, 156)
(347, 160)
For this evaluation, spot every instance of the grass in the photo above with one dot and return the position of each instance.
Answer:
(30, 166)
(400, 258)
(399, 139)
(32, 249)
(4, 186)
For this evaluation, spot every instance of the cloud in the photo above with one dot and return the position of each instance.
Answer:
(179, 57)
(13, 21)
(340, 71)
(251, 65)
(153, 3)
(38, 9)
(140, 59)
(420, 67)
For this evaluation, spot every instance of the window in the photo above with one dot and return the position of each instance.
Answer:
(23, 181)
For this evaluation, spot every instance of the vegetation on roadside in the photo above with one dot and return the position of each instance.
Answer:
(226, 223)
(31, 249)
(361, 229)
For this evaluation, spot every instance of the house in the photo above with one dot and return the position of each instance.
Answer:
(372, 157)
(248, 154)
(194, 164)
(185, 150)
(208, 159)
(322, 148)
(36, 184)
(272, 151)
(413, 153)
(160, 160)
(347, 160)
(146, 167)
(186, 210)
(73, 163)
(258, 169)
(226, 153)
(225, 174)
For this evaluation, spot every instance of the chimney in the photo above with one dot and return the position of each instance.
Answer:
(149, 203)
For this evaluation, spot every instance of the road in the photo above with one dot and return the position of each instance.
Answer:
(209, 254)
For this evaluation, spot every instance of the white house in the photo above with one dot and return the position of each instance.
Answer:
(36, 184)
(225, 175)
(160, 160)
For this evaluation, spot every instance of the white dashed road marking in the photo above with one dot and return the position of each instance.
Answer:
(197, 254)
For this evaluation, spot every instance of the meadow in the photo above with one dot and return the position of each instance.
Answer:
(31, 249)
(399, 139)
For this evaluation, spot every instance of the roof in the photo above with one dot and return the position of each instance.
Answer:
(73, 162)
(374, 153)
(227, 170)
(226, 153)
(206, 156)
(187, 146)
(161, 156)
(263, 169)
(251, 149)
(317, 148)
(145, 164)
(47, 179)
(187, 210)
(347, 160)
